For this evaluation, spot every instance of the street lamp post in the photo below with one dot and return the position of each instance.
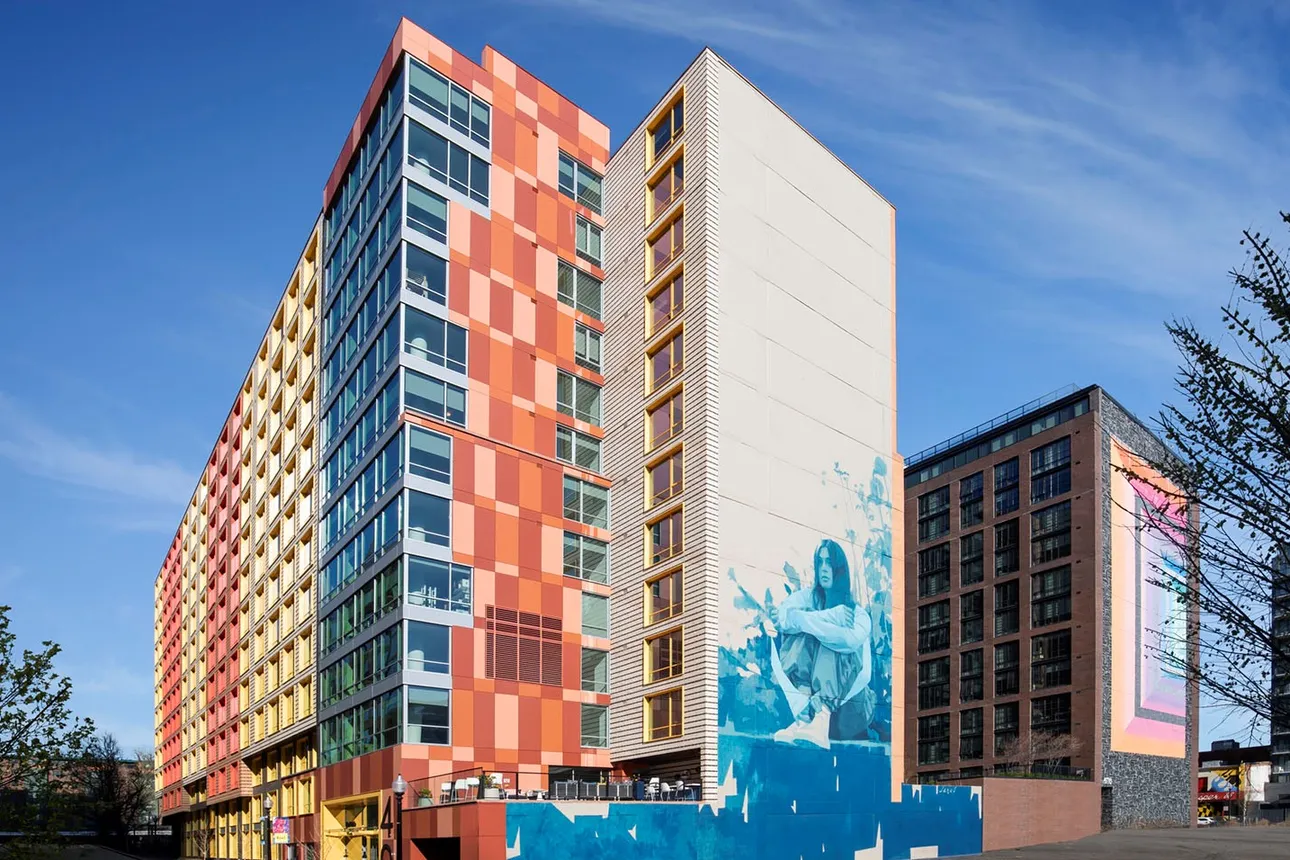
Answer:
(400, 788)
(268, 808)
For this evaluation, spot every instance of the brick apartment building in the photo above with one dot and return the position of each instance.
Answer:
(1032, 607)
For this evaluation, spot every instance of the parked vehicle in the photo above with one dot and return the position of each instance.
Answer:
(1204, 821)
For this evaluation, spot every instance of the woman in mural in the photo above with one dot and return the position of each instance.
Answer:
(822, 656)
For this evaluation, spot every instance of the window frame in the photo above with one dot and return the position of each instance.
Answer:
(584, 226)
(575, 193)
(676, 477)
(674, 116)
(588, 336)
(676, 720)
(660, 173)
(675, 659)
(569, 289)
(674, 346)
(675, 404)
(674, 229)
(671, 286)
(576, 440)
(675, 606)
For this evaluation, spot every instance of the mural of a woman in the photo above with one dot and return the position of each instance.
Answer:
(822, 656)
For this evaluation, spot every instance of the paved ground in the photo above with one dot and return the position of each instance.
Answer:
(1211, 843)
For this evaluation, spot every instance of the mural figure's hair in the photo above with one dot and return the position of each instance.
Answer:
(839, 594)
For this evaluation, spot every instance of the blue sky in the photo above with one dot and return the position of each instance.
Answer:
(1063, 184)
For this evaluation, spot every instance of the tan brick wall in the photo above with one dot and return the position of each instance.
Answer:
(1019, 812)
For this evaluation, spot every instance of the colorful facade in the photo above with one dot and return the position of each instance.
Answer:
(474, 597)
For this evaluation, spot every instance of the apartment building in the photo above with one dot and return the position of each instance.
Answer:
(1277, 802)
(1040, 630)
(235, 603)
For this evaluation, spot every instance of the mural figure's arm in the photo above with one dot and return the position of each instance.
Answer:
(791, 611)
(836, 634)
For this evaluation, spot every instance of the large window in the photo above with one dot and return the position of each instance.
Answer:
(972, 675)
(1007, 617)
(439, 584)
(427, 213)
(579, 289)
(365, 155)
(971, 728)
(362, 549)
(366, 489)
(1050, 596)
(666, 420)
(934, 683)
(595, 615)
(665, 478)
(971, 616)
(1051, 714)
(447, 162)
(1007, 541)
(578, 449)
(364, 728)
(1050, 533)
(370, 312)
(668, 128)
(580, 183)
(933, 514)
(595, 670)
(595, 726)
(429, 454)
(428, 715)
(586, 558)
(586, 347)
(971, 500)
(374, 660)
(1007, 720)
(667, 245)
(934, 627)
(667, 187)
(667, 302)
(434, 397)
(1007, 480)
(1050, 660)
(378, 358)
(385, 287)
(587, 239)
(664, 538)
(666, 362)
(450, 102)
(428, 647)
(366, 431)
(1007, 662)
(934, 571)
(427, 275)
(435, 340)
(663, 716)
(586, 503)
(972, 558)
(344, 293)
(663, 656)
(428, 518)
(663, 597)
(934, 739)
(1050, 470)
(371, 602)
(576, 397)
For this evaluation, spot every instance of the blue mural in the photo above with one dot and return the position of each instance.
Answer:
(804, 752)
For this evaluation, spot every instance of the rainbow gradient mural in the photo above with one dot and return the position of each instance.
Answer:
(1148, 611)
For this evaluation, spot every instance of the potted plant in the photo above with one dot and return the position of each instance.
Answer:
(424, 796)
(492, 786)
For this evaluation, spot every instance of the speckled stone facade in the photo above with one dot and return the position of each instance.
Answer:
(1139, 788)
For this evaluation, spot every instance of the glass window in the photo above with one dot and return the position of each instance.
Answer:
(586, 347)
(587, 239)
(429, 454)
(1050, 533)
(578, 289)
(665, 479)
(933, 514)
(1051, 714)
(435, 340)
(971, 727)
(971, 676)
(934, 739)
(1007, 660)
(668, 128)
(595, 670)
(663, 597)
(667, 187)
(972, 558)
(933, 571)
(934, 683)
(586, 558)
(1006, 616)
(427, 274)
(667, 362)
(971, 616)
(1007, 479)
(664, 538)
(579, 182)
(427, 212)
(1007, 719)
(667, 245)
(595, 615)
(1007, 559)
(1050, 470)
(577, 448)
(667, 302)
(361, 610)
(439, 585)
(1050, 660)
(428, 518)
(1050, 596)
(367, 429)
(449, 101)
(666, 420)
(428, 715)
(934, 627)
(428, 647)
(576, 397)
(586, 503)
(663, 656)
(595, 726)
(365, 491)
(435, 398)
(663, 716)
(971, 494)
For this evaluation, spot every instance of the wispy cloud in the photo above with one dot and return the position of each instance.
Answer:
(41, 449)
